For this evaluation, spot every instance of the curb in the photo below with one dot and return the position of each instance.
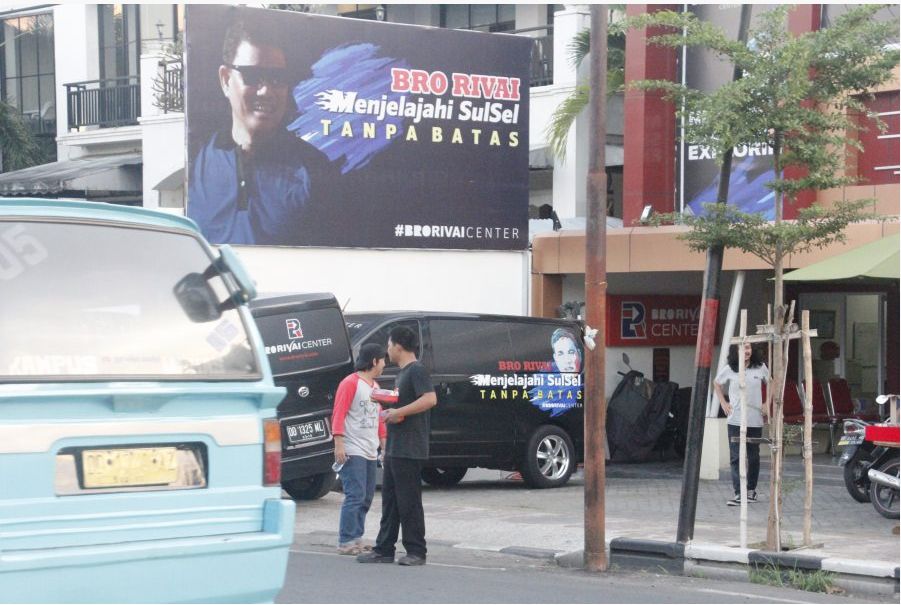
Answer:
(722, 562)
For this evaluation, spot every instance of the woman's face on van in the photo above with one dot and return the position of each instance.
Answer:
(566, 355)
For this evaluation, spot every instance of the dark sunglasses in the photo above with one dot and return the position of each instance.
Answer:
(254, 75)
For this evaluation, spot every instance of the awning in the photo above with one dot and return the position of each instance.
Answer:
(57, 177)
(876, 260)
(172, 182)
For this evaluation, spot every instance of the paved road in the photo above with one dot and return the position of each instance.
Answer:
(490, 513)
(453, 575)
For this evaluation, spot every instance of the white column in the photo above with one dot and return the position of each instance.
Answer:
(77, 57)
(570, 174)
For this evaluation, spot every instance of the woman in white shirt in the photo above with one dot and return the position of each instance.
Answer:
(756, 374)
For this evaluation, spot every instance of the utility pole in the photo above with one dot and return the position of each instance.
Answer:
(596, 299)
(710, 305)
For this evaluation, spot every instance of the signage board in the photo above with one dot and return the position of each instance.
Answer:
(310, 130)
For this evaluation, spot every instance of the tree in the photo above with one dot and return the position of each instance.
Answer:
(800, 95)
(18, 147)
(569, 109)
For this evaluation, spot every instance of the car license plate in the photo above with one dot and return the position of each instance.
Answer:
(314, 430)
(127, 467)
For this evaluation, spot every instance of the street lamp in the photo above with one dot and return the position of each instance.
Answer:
(380, 12)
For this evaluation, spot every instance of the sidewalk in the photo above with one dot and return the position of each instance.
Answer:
(489, 512)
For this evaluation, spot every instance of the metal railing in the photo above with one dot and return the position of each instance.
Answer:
(170, 92)
(542, 70)
(104, 103)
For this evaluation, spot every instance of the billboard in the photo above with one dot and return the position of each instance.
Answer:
(752, 166)
(307, 130)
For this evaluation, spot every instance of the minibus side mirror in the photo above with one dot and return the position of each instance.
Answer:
(197, 298)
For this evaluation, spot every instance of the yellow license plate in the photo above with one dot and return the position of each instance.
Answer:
(129, 467)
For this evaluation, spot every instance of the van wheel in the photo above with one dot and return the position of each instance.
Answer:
(549, 460)
(443, 477)
(310, 488)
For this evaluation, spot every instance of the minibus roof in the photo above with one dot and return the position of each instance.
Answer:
(79, 209)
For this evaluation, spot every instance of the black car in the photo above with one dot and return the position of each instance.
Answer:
(509, 391)
(308, 349)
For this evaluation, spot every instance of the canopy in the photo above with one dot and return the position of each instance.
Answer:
(56, 177)
(876, 260)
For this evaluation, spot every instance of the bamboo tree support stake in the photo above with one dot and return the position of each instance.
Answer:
(808, 426)
(774, 527)
(743, 432)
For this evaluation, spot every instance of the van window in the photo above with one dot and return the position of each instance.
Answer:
(304, 340)
(550, 348)
(461, 346)
(95, 301)
(380, 336)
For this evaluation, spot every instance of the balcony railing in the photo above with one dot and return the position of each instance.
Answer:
(104, 103)
(168, 88)
(542, 70)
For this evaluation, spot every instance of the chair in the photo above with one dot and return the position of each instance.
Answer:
(843, 403)
(792, 408)
(820, 412)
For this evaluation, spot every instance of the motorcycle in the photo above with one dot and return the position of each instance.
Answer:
(884, 472)
(858, 456)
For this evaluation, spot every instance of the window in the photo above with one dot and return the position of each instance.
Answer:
(120, 47)
(462, 346)
(479, 17)
(380, 337)
(878, 163)
(114, 308)
(27, 78)
(300, 341)
(371, 12)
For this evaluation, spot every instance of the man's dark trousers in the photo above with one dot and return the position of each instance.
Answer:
(402, 507)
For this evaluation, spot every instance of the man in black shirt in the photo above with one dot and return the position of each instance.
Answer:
(407, 448)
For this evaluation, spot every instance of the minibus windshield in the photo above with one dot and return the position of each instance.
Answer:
(89, 301)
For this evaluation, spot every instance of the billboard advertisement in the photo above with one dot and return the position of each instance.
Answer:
(652, 321)
(308, 130)
(752, 166)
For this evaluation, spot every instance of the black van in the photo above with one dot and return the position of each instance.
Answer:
(309, 351)
(509, 391)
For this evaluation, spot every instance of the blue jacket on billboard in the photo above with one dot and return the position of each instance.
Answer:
(267, 198)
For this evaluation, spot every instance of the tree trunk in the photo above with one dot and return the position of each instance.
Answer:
(773, 541)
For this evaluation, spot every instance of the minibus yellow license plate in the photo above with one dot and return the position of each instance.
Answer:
(127, 467)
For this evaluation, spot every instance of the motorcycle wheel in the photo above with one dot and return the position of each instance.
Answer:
(885, 499)
(856, 480)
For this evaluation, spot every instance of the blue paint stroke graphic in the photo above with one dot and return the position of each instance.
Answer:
(749, 194)
(557, 400)
(346, 68)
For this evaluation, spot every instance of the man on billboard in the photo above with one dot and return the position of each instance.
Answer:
(253, 182)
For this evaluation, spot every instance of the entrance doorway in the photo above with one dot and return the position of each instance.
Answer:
(851, 345)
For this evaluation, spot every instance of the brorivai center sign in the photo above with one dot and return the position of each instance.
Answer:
(308, 130)
(649, 320)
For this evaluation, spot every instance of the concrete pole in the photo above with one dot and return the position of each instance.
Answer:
(595, 300)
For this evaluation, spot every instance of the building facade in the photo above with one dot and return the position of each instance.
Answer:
(103, 93)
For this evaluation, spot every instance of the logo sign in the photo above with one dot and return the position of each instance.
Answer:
(364, 135)
(294, 330)
(632, 314)
(634, 321)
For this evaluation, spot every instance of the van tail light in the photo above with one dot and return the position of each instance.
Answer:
(272, 453)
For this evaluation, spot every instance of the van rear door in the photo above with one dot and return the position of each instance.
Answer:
(308, 349)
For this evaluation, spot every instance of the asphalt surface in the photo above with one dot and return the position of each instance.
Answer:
(316, 574)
